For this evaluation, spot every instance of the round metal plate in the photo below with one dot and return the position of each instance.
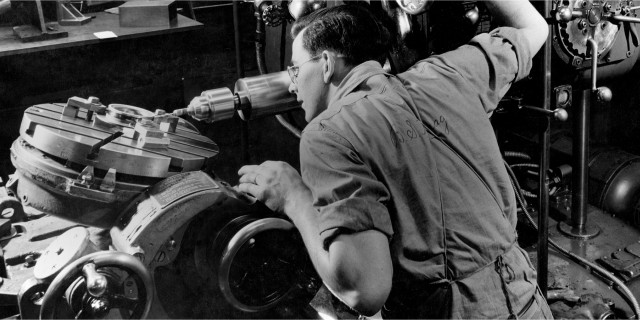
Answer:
(68, 247)
(79, 141)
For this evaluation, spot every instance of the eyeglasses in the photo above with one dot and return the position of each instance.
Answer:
(294, 70)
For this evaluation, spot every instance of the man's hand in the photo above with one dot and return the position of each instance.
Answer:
(275, 183)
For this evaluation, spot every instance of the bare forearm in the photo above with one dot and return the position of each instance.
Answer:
(356, 268)
(522, 15)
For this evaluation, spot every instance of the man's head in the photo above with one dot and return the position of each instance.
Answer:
(327, 44)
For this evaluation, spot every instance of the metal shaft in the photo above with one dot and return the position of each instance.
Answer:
(580, 172)
(545, 134)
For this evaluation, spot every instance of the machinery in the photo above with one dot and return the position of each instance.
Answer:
(140, 221)
(115, 211)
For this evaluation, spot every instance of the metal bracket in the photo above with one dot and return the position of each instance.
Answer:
(74, 104)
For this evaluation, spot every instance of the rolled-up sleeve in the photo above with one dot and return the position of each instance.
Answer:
(486, 67)
(347, 196)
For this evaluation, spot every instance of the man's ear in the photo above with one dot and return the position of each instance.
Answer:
(328, 68)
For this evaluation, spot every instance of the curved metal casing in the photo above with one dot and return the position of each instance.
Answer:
(615, 179)
(265, 95)
(153, 228)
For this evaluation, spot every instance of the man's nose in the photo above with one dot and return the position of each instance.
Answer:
(293, 88)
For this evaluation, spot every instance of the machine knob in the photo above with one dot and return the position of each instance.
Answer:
(96, 283)
(564, 14)
(604, 94)
(560, 114)
(472, 15)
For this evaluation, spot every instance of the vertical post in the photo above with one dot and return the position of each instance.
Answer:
(581, 157)
(244, 126)
(580, 173)
(543, 196)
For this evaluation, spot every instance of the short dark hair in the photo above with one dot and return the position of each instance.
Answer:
(350, 30)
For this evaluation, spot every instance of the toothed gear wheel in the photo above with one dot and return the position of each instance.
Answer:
(573, 35)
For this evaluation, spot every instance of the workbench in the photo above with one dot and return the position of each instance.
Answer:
(85, 34)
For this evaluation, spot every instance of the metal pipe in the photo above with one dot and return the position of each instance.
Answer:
(580, 172)
(545, 142)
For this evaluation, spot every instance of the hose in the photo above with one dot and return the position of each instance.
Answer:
(262, 68)
(525, 165)
(516, 154)
(631, 299)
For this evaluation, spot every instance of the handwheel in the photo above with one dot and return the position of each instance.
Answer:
(97, 283)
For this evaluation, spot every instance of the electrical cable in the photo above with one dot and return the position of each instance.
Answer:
(631, 299)
(516, 154)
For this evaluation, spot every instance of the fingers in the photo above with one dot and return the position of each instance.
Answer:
(246, 169)
(251, 189)
(250, 177)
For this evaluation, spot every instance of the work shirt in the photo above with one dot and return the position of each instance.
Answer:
(414, 156)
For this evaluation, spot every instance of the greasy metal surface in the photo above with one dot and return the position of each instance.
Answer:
(73, 138)
(565, 274)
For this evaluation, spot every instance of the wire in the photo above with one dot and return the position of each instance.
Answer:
(631, 299)
(515, 154)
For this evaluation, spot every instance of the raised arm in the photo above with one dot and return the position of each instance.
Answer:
(520, 14)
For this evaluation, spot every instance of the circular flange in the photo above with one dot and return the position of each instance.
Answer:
(587, 231)
(247, 239)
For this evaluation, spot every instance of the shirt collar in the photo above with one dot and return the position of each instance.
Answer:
(355, 77)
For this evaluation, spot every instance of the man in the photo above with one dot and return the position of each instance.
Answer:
(404, 204)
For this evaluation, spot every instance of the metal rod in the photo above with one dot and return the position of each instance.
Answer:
(622, 18)
(542, 110)
(545, 134)
(580, 173)
(244, 126)
(214, 6)
(594, 62)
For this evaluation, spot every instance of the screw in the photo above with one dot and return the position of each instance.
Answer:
(171, 245)
(29, 260)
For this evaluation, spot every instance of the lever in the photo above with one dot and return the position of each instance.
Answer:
(559, 114)
(96, 283)
(602, 94)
